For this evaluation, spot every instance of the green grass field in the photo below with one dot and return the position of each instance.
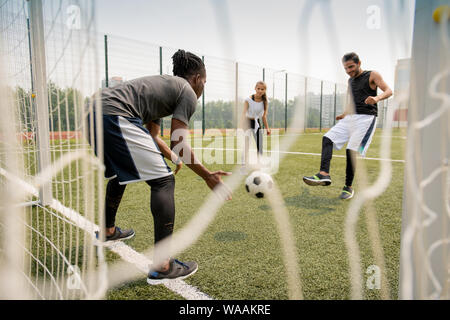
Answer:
(240, 254)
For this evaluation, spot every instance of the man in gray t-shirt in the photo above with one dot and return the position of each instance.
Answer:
(134, 153)
(151, 98)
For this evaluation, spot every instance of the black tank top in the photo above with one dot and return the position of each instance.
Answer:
(361, 90)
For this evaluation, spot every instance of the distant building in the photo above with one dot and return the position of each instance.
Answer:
(113, 81)
(401, 92)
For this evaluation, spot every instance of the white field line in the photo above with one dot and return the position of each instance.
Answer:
(124, 251)
(301, 153)
(197, 136)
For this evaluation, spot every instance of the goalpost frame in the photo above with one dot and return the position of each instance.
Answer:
(39, 83)
(424, 255)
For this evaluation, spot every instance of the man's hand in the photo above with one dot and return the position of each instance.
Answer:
(179, 165)
(214, 180)
(268, 132)
(371, 100)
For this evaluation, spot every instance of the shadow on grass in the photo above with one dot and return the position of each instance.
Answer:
(229, 236)
(315, 205)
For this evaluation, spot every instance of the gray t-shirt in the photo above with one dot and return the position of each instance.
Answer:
(151, 98)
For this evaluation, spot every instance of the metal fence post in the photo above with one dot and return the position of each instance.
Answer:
(321, 100)
(285, 103)
(305, 122)
(106, 62)
(203, 107)
(335, 93)
(236, 95)
(160, 73)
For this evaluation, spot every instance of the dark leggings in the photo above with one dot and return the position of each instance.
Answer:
(162, 204)
(350, 170)
(327, 154)
(257, 135)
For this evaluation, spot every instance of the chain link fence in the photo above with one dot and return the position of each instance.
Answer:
(228, 84)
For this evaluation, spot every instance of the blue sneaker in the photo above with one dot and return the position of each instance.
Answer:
(177, 270)
(119, 234)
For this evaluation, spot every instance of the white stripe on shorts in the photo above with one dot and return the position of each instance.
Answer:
(146, 156)
(352, 129)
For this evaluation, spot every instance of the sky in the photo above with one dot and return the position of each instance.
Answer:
(306, 37)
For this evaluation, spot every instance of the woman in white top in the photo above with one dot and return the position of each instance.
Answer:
(255, 108)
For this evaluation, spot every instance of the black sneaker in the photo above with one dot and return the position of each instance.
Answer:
(119, 234)
(347, 193)
(318, 180)
(177, 270)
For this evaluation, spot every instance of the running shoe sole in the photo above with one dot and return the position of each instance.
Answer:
(109, 242)
(314, 182)
(120, 239)
(346, 198)
(154, 282)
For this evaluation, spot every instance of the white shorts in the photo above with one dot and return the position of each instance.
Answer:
(130, 153)
(356, 129)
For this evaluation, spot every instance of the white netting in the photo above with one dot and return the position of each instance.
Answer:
(53, 253)
(425, 263)
(48, 61)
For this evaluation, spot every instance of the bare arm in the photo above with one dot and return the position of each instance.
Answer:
(154, 130)
(264, 117)
(178, 143)
(377, 80)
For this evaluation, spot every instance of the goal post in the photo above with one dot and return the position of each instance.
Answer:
(40, 96)
(51, 181)
(425, 239)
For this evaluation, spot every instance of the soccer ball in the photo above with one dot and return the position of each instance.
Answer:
(259, 184)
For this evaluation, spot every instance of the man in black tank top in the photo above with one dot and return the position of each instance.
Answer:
(361, 89)
(357, 125)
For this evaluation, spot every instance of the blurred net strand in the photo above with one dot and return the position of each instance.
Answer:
(189, 234)
(373, 229)
(69, 216)
(45, 268)
(75, 219)
(77, 171)
(368, 193)
(417, 224)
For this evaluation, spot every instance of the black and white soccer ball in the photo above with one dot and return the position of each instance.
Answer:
(259, 184)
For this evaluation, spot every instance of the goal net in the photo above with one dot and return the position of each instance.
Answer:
(51, 183)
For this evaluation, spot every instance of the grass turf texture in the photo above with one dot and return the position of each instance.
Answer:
(240, 256)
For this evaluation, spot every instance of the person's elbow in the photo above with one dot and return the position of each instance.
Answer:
(389, 92)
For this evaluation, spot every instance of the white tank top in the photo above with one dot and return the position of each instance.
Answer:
(255, 109)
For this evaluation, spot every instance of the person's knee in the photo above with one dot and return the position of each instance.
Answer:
(351, 154)
(327, 141)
